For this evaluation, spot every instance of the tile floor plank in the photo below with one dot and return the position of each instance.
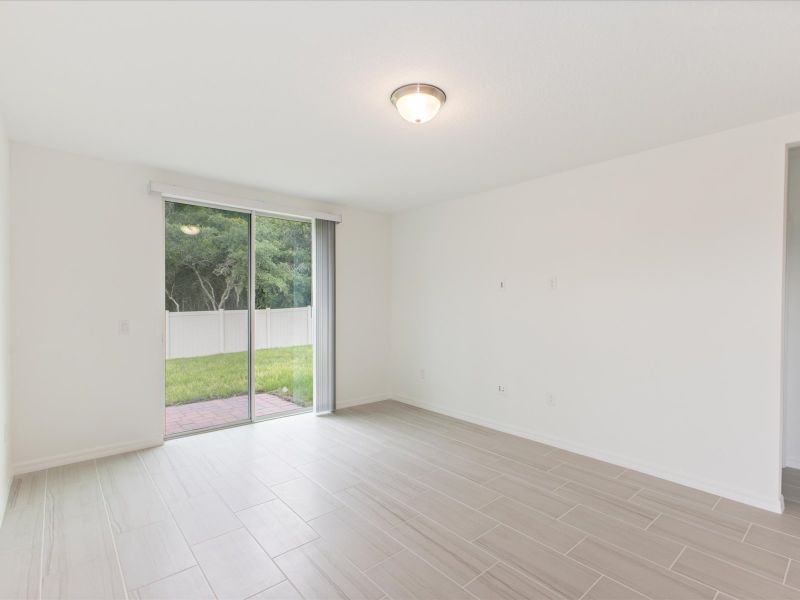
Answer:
(730, 579)
(607, 485)
(78, 558)
(533, 496)
(186, 585)
(241, 490)
(282, 591)
(276, 527)
(456, 464)
(236, 566)
(402, 462)
(378, 473)
(375, 506)
(405, 576)
(503, 582)
(459, 518)
(318, 570)
(746, 556)
(784, 523)
(793, 575)
(534, 475)
(669, 488)
(467, 452)
(183, 483)
(628, 537)
(271, 470)
(306, 498)
(133, 500)
(608, 589)
(457, 558)
(329, 475)
(637, 573)
(624, 510)
(152, 552)
(394, 484)
(459, 488)
(553, 572)
(589, 464)
(21, 537)
(534, 524)
(359, 540)
(203, 517)
(690, 512)
(521, 450)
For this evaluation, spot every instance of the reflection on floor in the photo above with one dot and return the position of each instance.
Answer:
(211, 413)
(382, 501)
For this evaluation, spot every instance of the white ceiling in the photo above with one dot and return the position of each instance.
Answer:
(295, 97)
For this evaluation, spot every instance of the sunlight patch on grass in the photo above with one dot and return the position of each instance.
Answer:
(225, 375)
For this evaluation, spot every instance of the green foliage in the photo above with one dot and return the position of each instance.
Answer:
(283, 263)
(225, 375)
(208, 271)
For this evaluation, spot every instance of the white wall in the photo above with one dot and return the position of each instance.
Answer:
(5, 322)
(88, 251)
(661, 344)
(791, 424)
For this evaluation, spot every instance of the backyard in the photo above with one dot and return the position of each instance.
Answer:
(283, 372)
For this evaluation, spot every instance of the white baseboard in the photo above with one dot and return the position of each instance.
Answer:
(770, 503)
(68, 458)
(111, 449)
(792, 462)
(363, 400)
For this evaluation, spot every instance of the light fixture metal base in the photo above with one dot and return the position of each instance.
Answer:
(418, 88)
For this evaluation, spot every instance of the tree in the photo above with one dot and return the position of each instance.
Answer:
(283, 263)
(207, 260)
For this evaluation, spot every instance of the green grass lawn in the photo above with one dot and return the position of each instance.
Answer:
(225, 375)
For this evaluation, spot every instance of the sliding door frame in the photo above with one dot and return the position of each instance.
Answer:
(251, 309)
(252, 316)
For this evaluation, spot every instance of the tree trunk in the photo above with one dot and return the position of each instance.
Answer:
(208, 289)
(175, 302)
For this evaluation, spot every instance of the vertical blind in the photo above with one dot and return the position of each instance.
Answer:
(325, 350)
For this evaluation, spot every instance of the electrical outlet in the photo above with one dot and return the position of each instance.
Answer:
(553, 281)
(422, 373)
(124, 327)
(502, 285)
(551, 401)
(501, 389)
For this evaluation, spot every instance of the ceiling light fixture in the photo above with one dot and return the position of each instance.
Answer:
(190, 229)
(418, 102)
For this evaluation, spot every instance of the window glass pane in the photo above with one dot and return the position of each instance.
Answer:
(284, 380)
(207, 325)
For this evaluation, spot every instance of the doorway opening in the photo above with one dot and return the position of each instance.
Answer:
(239, 331)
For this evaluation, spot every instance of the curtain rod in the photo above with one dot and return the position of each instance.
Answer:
(167, 190)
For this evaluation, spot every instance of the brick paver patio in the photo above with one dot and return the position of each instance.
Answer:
(210, 413)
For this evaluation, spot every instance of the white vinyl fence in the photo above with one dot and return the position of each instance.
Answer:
(214, 332)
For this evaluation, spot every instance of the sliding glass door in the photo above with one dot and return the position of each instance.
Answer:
(238, 317)
(207, 317)
(284, 374)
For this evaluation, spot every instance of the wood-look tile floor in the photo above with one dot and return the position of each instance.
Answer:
(382, 501)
